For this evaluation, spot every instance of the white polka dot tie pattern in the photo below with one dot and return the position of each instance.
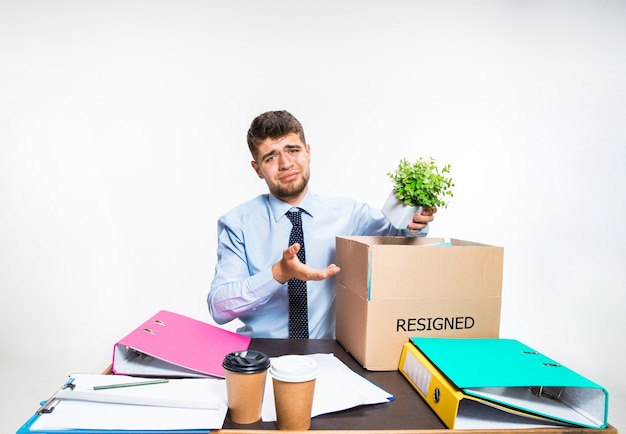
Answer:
(298, 310)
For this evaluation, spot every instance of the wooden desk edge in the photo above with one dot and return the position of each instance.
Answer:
(608, 430)
(573, 430)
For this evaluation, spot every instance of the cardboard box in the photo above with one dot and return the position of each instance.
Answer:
(393, 288)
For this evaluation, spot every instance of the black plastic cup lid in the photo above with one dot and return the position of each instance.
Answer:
(246, 362)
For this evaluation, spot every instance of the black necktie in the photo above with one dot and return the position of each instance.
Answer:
(298, 310)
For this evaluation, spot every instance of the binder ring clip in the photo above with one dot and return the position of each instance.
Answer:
(546, 392)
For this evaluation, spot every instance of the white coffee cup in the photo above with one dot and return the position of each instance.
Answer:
(293, 378)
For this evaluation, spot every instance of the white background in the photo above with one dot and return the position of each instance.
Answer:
(122, 140)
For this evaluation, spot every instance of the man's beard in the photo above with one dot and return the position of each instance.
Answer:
(292, 189)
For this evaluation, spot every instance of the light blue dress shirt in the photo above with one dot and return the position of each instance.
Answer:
(251, 239)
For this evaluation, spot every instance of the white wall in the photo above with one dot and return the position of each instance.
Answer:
(122, 140)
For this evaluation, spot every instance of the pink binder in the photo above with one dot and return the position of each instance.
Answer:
(173, 345)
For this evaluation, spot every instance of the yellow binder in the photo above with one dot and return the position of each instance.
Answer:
(458, 409)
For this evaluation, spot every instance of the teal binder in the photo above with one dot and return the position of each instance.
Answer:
(509, 373)
(26, 429)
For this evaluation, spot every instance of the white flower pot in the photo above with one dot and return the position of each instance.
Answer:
(399, 214)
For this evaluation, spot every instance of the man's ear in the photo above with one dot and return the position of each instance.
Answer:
(257, 169)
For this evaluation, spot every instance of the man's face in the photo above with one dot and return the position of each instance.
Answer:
(284, 165)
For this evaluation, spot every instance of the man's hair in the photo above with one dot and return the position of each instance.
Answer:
(272, 125)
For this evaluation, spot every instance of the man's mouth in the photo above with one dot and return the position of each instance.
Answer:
(289, 177)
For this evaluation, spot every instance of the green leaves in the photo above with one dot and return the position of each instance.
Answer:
(421, 183)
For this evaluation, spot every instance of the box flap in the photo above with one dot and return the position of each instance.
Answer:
(435, 271)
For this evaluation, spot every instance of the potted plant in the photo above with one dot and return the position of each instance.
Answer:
(416, 186)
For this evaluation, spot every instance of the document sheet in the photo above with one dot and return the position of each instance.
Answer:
(337, 388)
(85, 413)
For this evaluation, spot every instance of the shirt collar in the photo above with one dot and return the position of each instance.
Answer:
(280, 208)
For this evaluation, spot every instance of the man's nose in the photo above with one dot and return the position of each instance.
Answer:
(284, 161)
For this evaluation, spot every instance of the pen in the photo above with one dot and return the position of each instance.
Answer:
(138, 383)
(154, 400)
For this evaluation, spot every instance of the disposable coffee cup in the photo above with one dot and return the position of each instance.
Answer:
(246, 372)
(293, 378)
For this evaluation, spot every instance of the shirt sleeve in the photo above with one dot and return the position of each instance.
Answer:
(234, 292)
(372, 222)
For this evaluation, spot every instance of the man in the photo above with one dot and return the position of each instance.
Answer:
(256, 266)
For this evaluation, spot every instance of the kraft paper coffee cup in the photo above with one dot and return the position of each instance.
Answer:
(293, 378)
(246, 372)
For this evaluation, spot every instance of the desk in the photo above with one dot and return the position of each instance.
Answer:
(408, 413)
